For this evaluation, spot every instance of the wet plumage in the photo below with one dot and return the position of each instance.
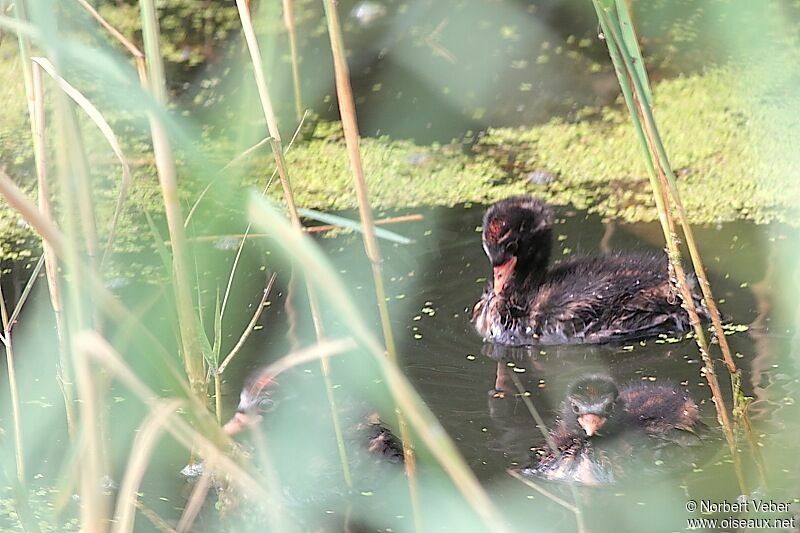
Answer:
(590, 299)
(602, 428)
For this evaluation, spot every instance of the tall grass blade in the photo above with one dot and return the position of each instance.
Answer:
(283, 174)
(347, 111)
(253, 321)
(291, 29)
(165, 164)
(96, 348)
(94, 114)
(665, 192)
(419, 416)
(631, 42)
(142, 449)
(37, 116)
(13, 388)
(346, 223)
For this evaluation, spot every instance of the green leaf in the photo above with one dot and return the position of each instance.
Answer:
(161, 248)
(352, 224)
(631, 45)
(217, 331)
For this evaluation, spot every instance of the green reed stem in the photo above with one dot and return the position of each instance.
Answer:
(34, 90)
(108, 133)
(144, 444)
(138, 56)
(74, 187)
(283, 174)
(419, 416)
(288, 21)
(668, 179)
(347, 111)
(637, 98)
(218, 397)
(576, 508)
(13, 390)
(165, 164)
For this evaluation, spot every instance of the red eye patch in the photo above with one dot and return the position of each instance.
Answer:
(495, 230)
(261, 382)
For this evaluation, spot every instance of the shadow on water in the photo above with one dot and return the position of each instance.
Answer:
(476, 390)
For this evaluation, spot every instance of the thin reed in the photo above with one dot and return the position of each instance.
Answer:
(347, 112)
(288, 195)
(615, 21)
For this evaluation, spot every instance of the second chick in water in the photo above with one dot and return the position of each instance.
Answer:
(603, 425)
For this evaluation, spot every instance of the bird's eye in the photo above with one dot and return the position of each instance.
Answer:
(608, 408)
(575, 408)
(266, 405)
(511, 247)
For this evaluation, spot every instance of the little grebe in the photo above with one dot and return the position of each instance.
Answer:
(600, 423)
(581, 300)
(255, 401)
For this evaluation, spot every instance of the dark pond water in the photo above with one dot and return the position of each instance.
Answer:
(438, 70)
(435, 281)
(431, 284)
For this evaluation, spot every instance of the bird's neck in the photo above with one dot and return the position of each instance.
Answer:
(532, 267)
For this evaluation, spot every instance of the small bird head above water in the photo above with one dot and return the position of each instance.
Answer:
(516, 237)
(593, 406)
(254, 402)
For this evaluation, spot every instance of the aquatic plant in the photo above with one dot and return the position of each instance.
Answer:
(615, 21)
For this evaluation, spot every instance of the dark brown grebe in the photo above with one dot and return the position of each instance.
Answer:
(582, 300)
(602, 427)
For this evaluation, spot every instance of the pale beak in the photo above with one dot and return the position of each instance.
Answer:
(240, 422)
(591, 424)
(502, 273)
